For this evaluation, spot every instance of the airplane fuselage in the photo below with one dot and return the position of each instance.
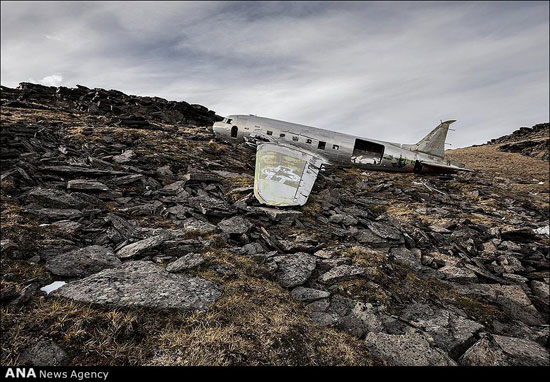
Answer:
(335, 148)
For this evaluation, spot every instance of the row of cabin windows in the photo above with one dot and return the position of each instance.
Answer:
(321, 145)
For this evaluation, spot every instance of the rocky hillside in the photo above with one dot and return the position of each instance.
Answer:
(168, 259)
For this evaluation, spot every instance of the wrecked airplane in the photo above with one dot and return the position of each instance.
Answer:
(289, 156)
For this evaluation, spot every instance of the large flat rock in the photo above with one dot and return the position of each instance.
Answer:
(494, 350)
(82, 262)
(411, 349)
(143, 283)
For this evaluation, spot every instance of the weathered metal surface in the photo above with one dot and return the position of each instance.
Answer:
(284, 176)
(325, 146)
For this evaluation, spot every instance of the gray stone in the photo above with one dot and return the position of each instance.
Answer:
(86, 185)
(450, 331)
(142, 283)
(324, 318)
(366, 236)
(293, 270)
(235, 225)
(341, 273)
(44, 353)
(540, 289)
(134, 249)
(362, 319)
(308, 294)
(385, 231)
(410, 349)
(406, 257)
(56, 213)
(176, 188)
(286, 216)
(53, 198)
(125, 157)
(191, 260)
(495, 350)
(511, 298)
(82, 262)
(198, 226)
(456, 274)
(253, 248)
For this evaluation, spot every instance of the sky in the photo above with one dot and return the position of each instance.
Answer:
(382, 70)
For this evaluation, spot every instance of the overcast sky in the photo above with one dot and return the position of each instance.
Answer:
(388, 70)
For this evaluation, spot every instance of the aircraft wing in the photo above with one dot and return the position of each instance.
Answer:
(284, 176)
(448, 166)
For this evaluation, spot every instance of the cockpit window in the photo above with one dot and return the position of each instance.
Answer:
(335, 147)
(269, 132)
(229, 120)
(308, 141)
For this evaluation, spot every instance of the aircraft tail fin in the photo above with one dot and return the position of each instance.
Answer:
(434, 142)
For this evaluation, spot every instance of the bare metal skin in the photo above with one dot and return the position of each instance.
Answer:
(289, 156)
(344, 149)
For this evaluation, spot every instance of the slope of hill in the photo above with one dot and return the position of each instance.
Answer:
(168, 259)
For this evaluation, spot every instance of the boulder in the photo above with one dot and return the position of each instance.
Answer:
(411, 349)
(495, 350)
(44, 353)
(82, 262)
(450, 331)
(145, 284)
(292, 270)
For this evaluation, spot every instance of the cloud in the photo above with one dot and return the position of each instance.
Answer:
(53, 80)
(383, 70)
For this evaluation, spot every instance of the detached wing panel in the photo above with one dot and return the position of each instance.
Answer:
(284, 176)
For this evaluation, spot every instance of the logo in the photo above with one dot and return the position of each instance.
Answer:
(20, 372)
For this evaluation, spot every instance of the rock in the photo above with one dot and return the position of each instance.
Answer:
(277, 215)
(511, 298)
(344, 219)
(176, 188)
(385, 231)
(540, 289)
(191, 260)
(341, 273)
(325, 253)
(324, 318)
(125, 157)
(456, 274)
(411, 349)
(145, 284)
(253, 248)
(53, 198)
(362, 319)
(495, 350)
(44, 353)
(56, 213)
(406, 257)
(82, 262)
(134, 249)
(450, 331)
(199, 226)
(86, 185)
(293, 270)
(235, 225)
(308, 294)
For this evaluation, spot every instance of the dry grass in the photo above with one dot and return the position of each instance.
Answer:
(255, 322)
